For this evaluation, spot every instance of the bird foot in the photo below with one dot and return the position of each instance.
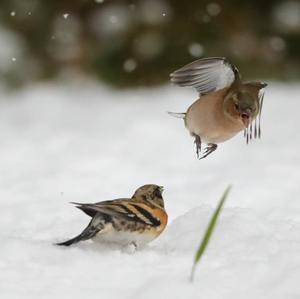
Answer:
(198, 145)
(211, 147)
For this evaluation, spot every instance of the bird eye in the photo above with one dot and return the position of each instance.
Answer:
(158, 192)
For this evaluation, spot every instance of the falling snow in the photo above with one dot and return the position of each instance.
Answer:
(278, 44)
(213, 9)
(129, 65)
(113, 19)
(196, 50)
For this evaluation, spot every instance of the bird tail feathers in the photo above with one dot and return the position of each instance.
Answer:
(177, 115)
(87, 234)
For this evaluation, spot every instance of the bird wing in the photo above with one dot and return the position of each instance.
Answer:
(258, 89)
(206, 75)
(121, 208)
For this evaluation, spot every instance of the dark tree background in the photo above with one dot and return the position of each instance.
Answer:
(138, 43)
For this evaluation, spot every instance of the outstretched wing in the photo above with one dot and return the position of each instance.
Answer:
(206, 75)
(254, 130)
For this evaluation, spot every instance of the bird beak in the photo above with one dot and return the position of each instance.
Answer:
(246, 118)
(263, 85)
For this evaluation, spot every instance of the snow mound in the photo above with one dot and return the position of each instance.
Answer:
(81, 142)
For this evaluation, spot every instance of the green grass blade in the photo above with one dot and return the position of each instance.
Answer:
(209, 231)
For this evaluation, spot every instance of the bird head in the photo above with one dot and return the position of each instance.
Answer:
(241, 105)
(151, 194)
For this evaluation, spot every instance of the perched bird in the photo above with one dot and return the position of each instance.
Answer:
(136, 220)
(226, 105)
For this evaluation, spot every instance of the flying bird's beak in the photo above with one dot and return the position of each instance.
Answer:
(263, 84)
(246, 117)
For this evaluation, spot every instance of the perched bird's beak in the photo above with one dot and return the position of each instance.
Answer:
(246, 117)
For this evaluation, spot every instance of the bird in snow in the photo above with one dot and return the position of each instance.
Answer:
(226, 105)
(127, 221)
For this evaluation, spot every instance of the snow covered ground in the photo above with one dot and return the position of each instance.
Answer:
(78, 141)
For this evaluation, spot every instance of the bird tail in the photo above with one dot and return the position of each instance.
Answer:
(177, 115)
(87, 234)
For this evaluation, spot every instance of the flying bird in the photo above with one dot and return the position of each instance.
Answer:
(226, 104)
(136, 220)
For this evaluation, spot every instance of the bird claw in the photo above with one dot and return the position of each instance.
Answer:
(211, 147)
(198, 145)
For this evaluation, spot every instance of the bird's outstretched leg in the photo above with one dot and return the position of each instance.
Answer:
(198, 144)
(211, 147)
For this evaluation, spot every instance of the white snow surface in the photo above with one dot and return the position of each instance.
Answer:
(78, 141)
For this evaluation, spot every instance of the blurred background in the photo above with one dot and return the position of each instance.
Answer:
(129, 43)
(84, 90)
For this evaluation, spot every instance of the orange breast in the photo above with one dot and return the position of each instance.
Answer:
(162, 216)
